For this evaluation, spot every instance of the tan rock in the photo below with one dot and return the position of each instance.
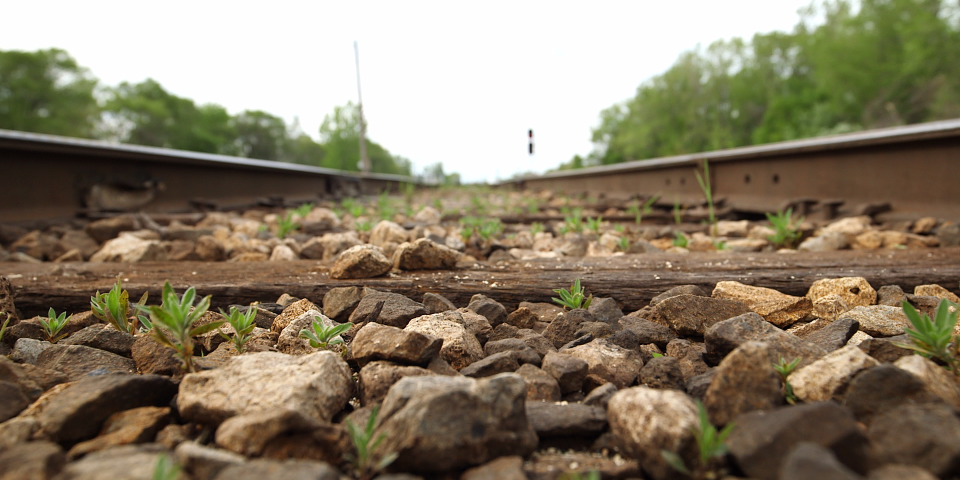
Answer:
(851, 226)
(609, 361)
(830, 307)
(361, 261)
(128, 248)
(460, 347)
(424, 254)
(856, 291)
(879, 320)
(291, 312)
(828, 377)
(387, 231)
(777, 308)
(935, 290)
(936, 379)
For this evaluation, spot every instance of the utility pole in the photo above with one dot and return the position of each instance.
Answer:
(364, 159)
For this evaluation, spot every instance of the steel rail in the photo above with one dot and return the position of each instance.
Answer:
(48, 176)
(913, 168)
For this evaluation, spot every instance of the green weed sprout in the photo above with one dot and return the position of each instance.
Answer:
(533, 206)
(53, 324)
(364, 226)
(113, 307)
(535, 228)
(680, 240)
(677, 212)
(591, 475)
(173, 322)
(322, 336)
(286, 225)
(784, 369)
(3, 328)
(624, 244)
(594, 224)
(303, 210)
(573, 222)
(786, 233)
(242, 324)
(364, 461)
(573, 298)
(704, 181)
(710, 444)
(489, 228)
(385, 209)
(639, 211)
(165, 469)
(934, 338)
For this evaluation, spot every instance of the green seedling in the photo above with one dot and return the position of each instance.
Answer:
(322, 336)
(639, 211)
(619, 228)
(113, 307)
(286, 225)
(677, 212)
(656, 355)
(711, 446)
(303, 210)
(573, 221)
(786, 232)
(53, 324)
(533, 206)
(243, 325)
(165, 469)
(680, 240)
(624, 244)
(591, 475)
(535, 228)
(784, 369)
(934, 338)
(3, 329)
(385, 208)
(366, 461)
(594, 224)
(573, 298)
(720, 244)
(364, 226)
(489, 229)
(704, 181)
(173, 322)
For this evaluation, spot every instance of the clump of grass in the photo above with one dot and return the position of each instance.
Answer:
(784, 369)
(680, 240)
(591, 475)
(53, 324)
(624, 244)
(242, 323)
(594, 224)
(711, 446)
(286, 225)
(3, 328)
(322, 336)
(366, 462)
(934, 338)
(535, 228)
(385, 208)
(704, 181)
(173, 322)
(677, 212)
(573, 221)
(786, 232)
(573, 298)
(165, 468)
(113, 308)
(303, 210)
(364, 226)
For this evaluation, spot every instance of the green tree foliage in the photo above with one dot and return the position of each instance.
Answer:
(260, 135)
(888, 62)
(46, 92)
(340, 134)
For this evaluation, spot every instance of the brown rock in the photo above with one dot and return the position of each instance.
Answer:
(856, 291)
(423, 254)
(76, 361)
(292, 312)
(693, 315)
(745, 381)
(361, 261)
(376, 378)
(775, 307)
(381, 342)
(137, 425)
(150, 357)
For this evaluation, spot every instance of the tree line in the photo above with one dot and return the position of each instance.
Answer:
(47, 91)
(841, 69)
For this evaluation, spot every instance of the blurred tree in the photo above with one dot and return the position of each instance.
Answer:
(46, 92)
(340, 135)
(260, 135)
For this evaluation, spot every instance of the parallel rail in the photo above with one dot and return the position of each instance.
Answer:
(51, 177)
(915, 168)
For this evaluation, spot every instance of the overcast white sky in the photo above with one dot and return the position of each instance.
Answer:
(448, 81)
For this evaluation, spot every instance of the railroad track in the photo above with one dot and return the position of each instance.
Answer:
(903, 172)
(51, 177)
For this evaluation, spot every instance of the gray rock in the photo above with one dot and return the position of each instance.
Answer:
(28, 350)
(891, 295)
(503, 468)
(676, 291)
(900, 472)
(495, 312)
(476, 324)
(609, 362)
(690, 356)
(317, 385)
(605, 310)
(809, 460)
(260, 469)
(128, 248)
(744, 381)
(103, 337)
(265, 433)
(551, 419)
(423, 254)
(882, 388)
(76, 411)
(563, 328)
(949, 234)
(936, 379)
(879, 320)
(12, 400)
(361, 261)
(460, 348)
(77, 361)
(886, 349)
(601, 395)
(693, 315)
(376, 378)
(540, 385)
(32, 460)
(134, 462)
(834, 335)
(624, 338)
(647, 331)
(381, 342)
(336, 243)
(644, 421)
(202, 462)
(397, 309)
(725, 336)
(436, 303)
(437, 424)
(107, 228)
(524, 353)
(31, 380)
(926, 436)
(502, 362)
(134, 426)
(567, 369)
(662, 372)
(339, 302)
(291, 312)
(697, 385)
(763, 439)
(827, 378)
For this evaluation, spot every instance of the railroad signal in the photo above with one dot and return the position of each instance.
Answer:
(530, 144)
